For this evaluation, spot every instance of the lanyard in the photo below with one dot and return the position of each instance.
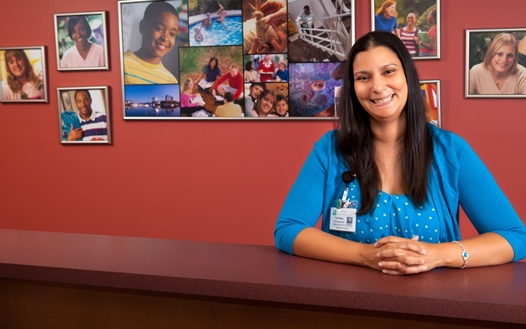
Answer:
(347, 177)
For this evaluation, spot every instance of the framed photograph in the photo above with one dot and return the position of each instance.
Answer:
(23, 74)
(83, 114)
(495, 63)
(264, 55)
(151, 32)
(81, 41)
(430, 90)
(417, 23)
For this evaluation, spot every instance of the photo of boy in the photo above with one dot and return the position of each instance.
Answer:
(159, 28)
(282, 106)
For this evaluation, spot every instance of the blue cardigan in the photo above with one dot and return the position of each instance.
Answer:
(458, 178)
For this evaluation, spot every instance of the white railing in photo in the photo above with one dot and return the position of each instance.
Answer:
(329, 33)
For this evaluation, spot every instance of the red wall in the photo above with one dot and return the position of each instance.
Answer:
(204, 180)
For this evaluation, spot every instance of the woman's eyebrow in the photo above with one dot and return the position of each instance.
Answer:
(383, 67)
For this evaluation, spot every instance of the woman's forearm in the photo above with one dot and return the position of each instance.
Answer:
(483, 250)
(314, 243)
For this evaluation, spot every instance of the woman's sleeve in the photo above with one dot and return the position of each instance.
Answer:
(304, 203)
(485, 204)
(185, 101)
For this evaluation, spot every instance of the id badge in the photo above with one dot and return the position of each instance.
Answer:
(343, 219)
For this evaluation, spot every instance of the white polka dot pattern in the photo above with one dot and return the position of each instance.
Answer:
(396, 215)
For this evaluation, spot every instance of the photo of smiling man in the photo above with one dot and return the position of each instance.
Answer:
(84, 115)
(159, 28)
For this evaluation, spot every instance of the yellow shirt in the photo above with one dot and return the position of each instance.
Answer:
(137, 71)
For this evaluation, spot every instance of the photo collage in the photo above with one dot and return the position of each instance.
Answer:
(273, 59)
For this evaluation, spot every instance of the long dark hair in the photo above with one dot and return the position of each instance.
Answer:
(213, 58)
(355, 140)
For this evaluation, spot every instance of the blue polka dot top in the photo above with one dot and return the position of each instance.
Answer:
(394, 214)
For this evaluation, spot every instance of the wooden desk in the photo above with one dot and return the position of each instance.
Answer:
(61, 280)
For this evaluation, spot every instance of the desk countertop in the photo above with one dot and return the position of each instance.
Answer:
(260, 274)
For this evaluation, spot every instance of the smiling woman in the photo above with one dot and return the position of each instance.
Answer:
(81, 41)
(389, 185)
(21, 81)
(84, 53)
(380, 85)
(499, 73)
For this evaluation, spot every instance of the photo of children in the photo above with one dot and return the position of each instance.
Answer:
(266, 85)
(265, 100)
(81, 41)
(266, 55)
(22, 75)
(270, 68)
(151, 34)
(215, 23)
(213, 71)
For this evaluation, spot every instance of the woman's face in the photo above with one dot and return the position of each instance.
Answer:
(17, 66)
(411, 20)
(252, 65)
(281, 67)
(213, 63)
(391, 10)
(380, 83)
(503, 59)
(190, 85)
(266, 103)
(80, 33)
